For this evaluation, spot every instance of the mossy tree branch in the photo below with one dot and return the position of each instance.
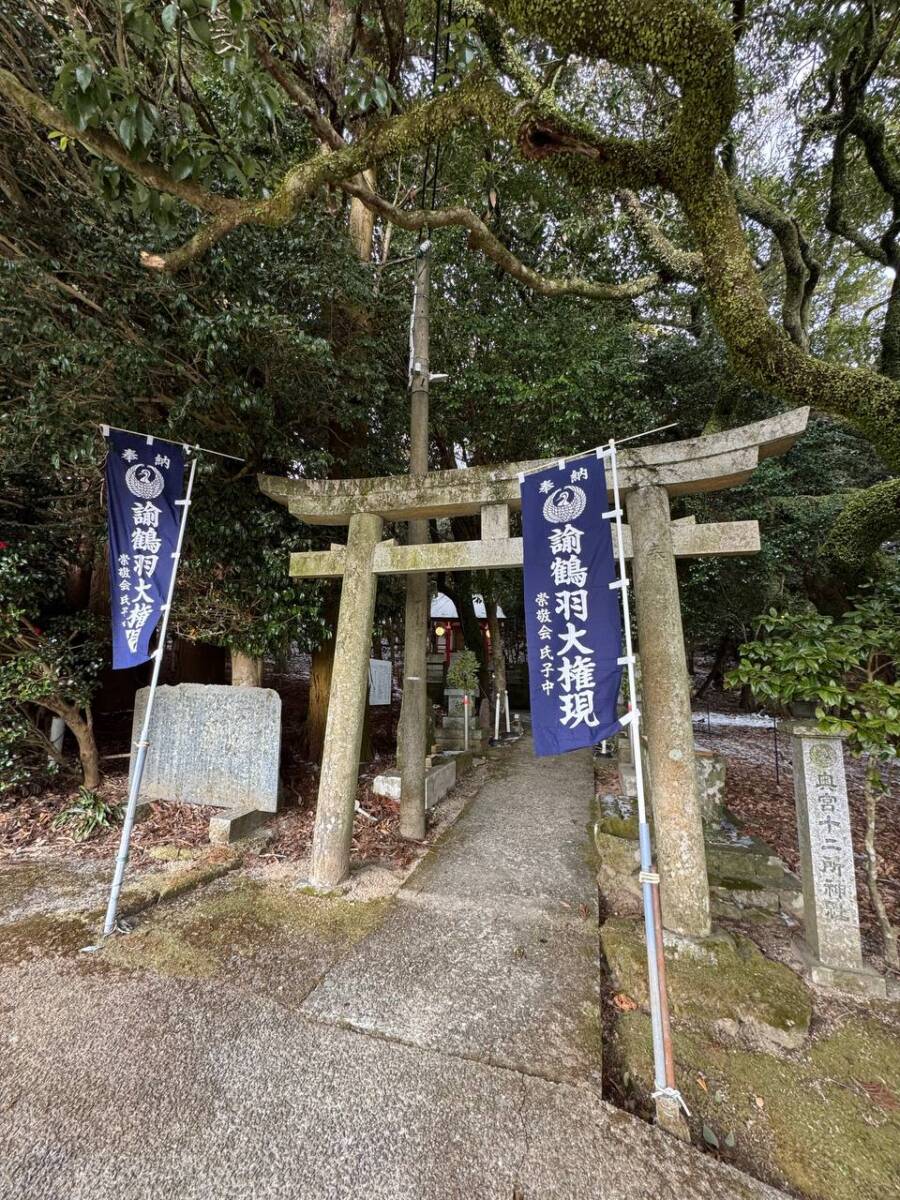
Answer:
(481, 238)
(689, 42)
(868, 519)
(851, 119)
(106, 146)
(801, 270)
(683, 39)
(675, 262)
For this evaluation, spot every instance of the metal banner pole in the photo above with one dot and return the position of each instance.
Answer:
(506, 709)
(663, 1077)
(143, 742)
(497, 718)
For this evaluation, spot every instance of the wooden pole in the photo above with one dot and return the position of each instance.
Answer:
(412, 733)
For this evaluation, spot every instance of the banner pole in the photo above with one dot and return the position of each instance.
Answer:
(143, 742)
(665, 1084)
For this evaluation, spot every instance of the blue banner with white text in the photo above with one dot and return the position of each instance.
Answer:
(144, 478)
(572, 615)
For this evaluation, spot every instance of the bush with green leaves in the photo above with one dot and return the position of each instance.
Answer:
(847, 667)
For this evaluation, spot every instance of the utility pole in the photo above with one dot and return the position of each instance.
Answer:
(412, 735)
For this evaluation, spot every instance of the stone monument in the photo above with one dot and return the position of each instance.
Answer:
(826, 863)
(213, 744)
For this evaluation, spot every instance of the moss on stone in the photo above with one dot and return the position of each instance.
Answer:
(735, 884)
(724, 981)
(619, 827)
(241, 921)
(807, 1122)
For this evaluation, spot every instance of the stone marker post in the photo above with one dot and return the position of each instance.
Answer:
(826, 861)
(346, 706)
(666, 713)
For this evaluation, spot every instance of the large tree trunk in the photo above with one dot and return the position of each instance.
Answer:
(716, 674)
(83, 730)
(361, 230)
(498, 658)
(320, 670)
(246, 671)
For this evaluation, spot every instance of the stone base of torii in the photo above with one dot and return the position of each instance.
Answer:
(648, 477)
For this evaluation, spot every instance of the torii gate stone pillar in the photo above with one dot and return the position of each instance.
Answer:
(346, 705)
(666, 715)
(648, 478)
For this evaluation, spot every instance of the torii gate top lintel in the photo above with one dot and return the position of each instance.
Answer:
(702, 464)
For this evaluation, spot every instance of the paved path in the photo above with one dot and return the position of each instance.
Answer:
(451, 1054)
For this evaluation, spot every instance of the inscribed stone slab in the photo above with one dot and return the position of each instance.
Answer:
(826, 849)
(212, 744)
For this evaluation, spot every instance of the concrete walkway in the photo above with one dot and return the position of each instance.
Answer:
(451, 1052)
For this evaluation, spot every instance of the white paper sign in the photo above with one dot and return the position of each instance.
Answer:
(379, 681)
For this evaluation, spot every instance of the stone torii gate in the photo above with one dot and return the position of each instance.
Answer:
(648, 477)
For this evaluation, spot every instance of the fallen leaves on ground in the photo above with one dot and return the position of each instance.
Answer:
(624, 1003)
(376, 830)
(26, 825)
(880, 1095)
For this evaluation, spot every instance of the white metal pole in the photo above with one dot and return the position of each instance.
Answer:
(465, 720)
(143, 742)
(506, 706)
(497, 718)
(634, 730)
(57, 737)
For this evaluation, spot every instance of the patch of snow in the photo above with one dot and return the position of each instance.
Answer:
(747, 720)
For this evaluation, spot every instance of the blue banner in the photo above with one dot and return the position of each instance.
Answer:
(572, 616)
(144, 478)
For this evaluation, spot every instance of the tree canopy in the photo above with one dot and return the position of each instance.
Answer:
(665, 211)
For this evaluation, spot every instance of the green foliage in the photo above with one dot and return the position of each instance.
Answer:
(20, 760)
(463, 672)
(845, 666)
(87, 814)
(281, 347)
(48, 660)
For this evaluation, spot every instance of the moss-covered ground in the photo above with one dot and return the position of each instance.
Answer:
(728, 984)
(799, 1091)
(247, 933)
(824, 1122)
